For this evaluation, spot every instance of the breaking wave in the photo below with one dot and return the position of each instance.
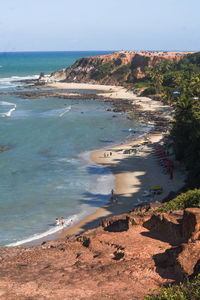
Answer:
(9, 112)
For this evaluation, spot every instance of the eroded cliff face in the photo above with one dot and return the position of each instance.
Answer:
(113, 68)
(122, 259)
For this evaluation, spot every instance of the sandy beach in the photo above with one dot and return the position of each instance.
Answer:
(116, 92)
(134, 174)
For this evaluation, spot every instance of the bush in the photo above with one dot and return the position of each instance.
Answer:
(118, 61)
(183, 291)
(149, 91)
(189, 199)
(121, 72)
(101, 71)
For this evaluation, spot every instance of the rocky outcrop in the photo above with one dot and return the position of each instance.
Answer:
(122, 259)
(113, 68)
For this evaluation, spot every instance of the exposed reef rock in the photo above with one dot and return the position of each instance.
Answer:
(122, 259)
(5, 148)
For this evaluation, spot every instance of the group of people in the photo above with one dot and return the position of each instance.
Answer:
(62, 222)
(107, 154)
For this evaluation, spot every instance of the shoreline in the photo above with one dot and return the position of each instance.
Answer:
(119, 163)
(129, 186)
(131, 182)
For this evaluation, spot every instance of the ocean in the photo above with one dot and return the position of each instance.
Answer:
(46, 171)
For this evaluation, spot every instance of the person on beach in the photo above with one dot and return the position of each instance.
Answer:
(71, 223)
(57, 222)
(62, 221)
(112, 196)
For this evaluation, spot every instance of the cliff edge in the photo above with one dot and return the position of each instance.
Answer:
(124, 258)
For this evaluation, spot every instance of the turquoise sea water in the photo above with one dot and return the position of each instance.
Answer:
(42, 174)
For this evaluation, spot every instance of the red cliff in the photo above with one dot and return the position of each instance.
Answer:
(114, 68)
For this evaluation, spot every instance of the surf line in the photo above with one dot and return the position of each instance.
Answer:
(65, 111)
(8, 113)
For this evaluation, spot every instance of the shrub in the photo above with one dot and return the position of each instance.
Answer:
(101, 71)
(149, 91)
(189, 199)
(118, 61)
(183, 291)
(121, 72)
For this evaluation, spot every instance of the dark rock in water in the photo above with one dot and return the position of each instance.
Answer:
(106, 141)
(41, 75)
(5, 148)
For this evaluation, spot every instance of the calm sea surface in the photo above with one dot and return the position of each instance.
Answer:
(42, 174)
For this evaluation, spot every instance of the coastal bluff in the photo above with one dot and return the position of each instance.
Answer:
(112, 69)
(126, 257)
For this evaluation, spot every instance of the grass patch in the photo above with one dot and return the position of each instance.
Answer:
(189, 199)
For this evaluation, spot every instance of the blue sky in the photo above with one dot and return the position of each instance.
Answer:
(42, 25)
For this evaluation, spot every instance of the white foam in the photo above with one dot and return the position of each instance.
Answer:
(50, 231)
(66, 110)
(68, 160)
(8, 113)
(6, 103)
(9, 82)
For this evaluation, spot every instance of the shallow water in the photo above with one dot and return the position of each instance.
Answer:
(42, 174)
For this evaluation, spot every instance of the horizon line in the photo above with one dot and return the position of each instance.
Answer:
(119, 50)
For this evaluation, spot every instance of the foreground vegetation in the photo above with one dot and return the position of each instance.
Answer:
(189, 199)
(184, 291)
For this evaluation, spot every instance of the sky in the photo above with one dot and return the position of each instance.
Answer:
(69, 25)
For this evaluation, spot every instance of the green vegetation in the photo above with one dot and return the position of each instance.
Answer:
(178, 84)
(189, 199)
(184, 291)
(121, 72)
(117, 62)
(101, 71)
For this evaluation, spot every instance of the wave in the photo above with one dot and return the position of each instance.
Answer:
(68, 160)
(8, 113)
(66, 110)
(13, 81)
(50, 231)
